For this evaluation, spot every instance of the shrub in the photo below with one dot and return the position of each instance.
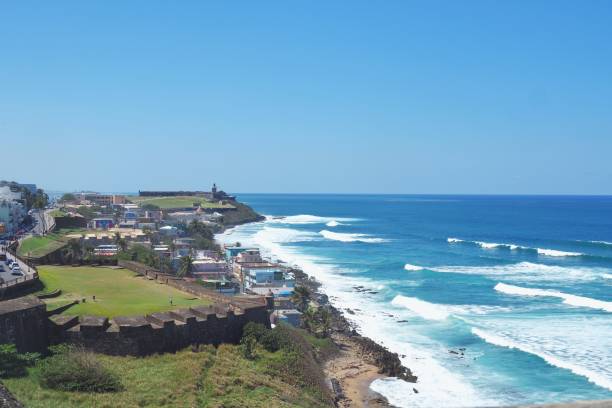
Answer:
(76, 370)
(12, 363)
(247, 343)
(256, 330)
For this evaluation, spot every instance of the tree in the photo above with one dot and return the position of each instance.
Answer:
(75, 250)
(325, 321)
(301, 297)
(68, 197)
(185, 267)
(309, 319)
(122, 244)
(40, 199)
(89, 253)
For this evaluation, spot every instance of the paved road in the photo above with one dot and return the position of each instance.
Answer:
(5, 272)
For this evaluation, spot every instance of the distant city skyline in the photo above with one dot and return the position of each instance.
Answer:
(437, 97)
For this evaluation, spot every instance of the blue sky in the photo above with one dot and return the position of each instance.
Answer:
(304, 96)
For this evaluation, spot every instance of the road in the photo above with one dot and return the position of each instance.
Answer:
(42, 223)
(5, 272)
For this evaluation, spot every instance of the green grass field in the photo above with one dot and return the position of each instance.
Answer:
(167, 203)
(210, 378)
(37, 247)
(118, 292)
(57, 213)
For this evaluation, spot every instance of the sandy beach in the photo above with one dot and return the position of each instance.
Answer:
(354, 375)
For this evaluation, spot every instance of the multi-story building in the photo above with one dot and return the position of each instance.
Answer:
(12, 214)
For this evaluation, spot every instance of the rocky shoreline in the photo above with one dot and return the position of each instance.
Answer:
(360, 359)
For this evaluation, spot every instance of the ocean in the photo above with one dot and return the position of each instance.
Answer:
(489, 300)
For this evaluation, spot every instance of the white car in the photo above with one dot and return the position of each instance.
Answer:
(17, 271)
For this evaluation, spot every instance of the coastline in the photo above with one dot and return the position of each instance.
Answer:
(359, 360)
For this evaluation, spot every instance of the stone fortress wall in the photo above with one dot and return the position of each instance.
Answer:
(25, 322)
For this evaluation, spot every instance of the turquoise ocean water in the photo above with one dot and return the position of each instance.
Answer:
(490, 300)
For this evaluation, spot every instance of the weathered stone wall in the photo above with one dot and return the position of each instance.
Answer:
(158, 332)
(70, 222)
(23, 322)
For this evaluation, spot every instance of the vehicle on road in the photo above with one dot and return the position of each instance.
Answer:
(9, 263)
(17, 271)
(15, 265)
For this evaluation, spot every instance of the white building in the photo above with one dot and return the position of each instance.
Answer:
(12, 214)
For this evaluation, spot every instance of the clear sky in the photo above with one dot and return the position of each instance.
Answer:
(308, 96)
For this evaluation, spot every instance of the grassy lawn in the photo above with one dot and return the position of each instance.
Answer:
(37, 247)
(210, 378)
(177, 202)
(119, 292)
(57, 213)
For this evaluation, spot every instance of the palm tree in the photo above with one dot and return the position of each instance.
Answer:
(325, 321)
(301, 297)
(75, 250)
(309, 319)
(122, 244)
(185, 267)
(89, 253)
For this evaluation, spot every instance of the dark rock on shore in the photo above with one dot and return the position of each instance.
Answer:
(388, 362)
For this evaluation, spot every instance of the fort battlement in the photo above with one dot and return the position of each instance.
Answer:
(157, 332)
(26, 322)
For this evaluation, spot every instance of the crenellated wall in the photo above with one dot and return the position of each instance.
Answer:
(157, 332)
(23, 322)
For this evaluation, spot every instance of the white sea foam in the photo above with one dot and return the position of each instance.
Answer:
(528, 271)
(435, 311)
(503, 341)
(554, 252)
(438, 386)
(410, 267)
(306, 219)
(513, 247)
(332, 223)
(573, 300)
(599, 242)
(606, 275)
(424, 309)
(350, 237)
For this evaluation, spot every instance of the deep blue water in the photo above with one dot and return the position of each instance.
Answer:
(521, 285)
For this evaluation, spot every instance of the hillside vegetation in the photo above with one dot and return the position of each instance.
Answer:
(205, 377)
(167, 203)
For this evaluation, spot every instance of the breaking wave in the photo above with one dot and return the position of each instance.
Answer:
(351, 237)
(493, 245)
(307, 219)
(573, 300)
(554, 252)
(529, 271)
(410, 267)
(500, 341)
(433, 311)
(424, 309)
(333, 223)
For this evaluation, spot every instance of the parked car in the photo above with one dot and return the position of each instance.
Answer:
(14, 265)
(9, 263)
(17, 271)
